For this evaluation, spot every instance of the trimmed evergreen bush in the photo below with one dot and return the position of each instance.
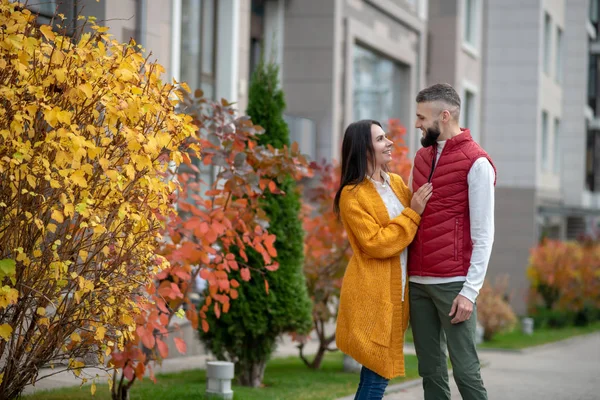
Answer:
(247, 334)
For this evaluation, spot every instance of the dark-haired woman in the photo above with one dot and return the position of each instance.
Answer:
(381, 217)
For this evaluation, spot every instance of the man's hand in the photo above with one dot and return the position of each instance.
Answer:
(462, 308)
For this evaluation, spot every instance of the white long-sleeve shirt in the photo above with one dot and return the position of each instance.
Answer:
(481, 214)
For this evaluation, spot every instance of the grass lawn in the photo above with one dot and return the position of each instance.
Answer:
(517, 340)
(285, 378)
(408, 337)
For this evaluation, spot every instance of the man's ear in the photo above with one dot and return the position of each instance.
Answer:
(446, 116)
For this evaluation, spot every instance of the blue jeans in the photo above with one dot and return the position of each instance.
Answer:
(371, 385)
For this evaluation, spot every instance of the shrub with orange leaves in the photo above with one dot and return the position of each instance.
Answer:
(551, 266)
(216, 222)
(565, 278)
(493, 310)
(400, 163)
(247, 335)
(326, 255)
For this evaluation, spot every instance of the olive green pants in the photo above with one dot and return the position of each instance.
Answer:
(432, 330)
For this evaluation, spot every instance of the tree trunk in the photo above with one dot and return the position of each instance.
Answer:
(120, 390)
(251, 374)
(316, 362)
(488, 334)
(121, 393)
(324, 342)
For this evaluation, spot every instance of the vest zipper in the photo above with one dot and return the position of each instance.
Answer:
(434, 156)
(432, 168)
(433, 163)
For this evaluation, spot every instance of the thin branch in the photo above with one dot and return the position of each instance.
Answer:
(113, 386)
(130, 383)
(40, 293)
(122, 376)
(302, 357)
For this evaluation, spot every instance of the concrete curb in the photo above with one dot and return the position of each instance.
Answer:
(498, 350)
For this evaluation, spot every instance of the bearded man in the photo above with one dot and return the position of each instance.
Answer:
(448, 259)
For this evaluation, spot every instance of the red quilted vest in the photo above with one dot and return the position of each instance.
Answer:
(442, 246)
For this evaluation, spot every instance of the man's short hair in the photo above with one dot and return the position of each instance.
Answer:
(441, 92)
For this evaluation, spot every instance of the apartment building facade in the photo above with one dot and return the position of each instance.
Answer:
(455, 54)
(349, 60)
(341, 60)
(536, 125)
(527, 73)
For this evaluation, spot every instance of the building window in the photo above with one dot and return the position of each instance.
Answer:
(547, 34)
(304, 132)
(592, 165)
(559, 56)
(468, 110)
(556, 146)
(594, 12)
(593, 73)
(45, 11)
(257, 33)
(470, 23)
(198, 33)
(545, 160)
(377, 83)
(198, 58)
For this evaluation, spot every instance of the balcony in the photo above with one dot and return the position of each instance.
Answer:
(304, 132)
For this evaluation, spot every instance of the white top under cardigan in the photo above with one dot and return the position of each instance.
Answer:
(395, 208)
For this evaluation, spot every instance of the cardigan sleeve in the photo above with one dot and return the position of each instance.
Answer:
(405, 192)
(375, 240)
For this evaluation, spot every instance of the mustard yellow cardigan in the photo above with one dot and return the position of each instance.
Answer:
(372, 317)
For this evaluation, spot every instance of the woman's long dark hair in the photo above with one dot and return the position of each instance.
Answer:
(357, 151)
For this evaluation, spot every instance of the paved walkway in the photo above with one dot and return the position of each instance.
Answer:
(568, 370)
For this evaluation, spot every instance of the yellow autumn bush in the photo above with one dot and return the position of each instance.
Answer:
(87, 133)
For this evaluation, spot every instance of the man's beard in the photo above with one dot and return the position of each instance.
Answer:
(431, 135)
